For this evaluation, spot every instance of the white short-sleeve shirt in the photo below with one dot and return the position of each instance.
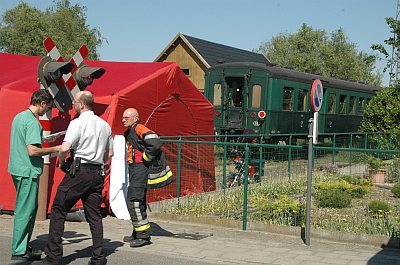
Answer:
(90, 137)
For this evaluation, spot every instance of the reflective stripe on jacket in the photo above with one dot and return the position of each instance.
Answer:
(160, 174)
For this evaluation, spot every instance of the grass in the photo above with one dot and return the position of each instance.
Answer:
(281, 197)
(283, 202)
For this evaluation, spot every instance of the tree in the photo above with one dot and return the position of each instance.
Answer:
(313, 51)
(394, 42)
(382, 113)
(23, 29)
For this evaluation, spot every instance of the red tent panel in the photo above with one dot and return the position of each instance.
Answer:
(167, 100)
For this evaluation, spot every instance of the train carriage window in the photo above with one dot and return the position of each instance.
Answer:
(332, 103)
(217, 94)
(302, 103)
(256, 97)
(342, 104)
(360, 106)
(235, 87)
(352, 109)
(287, 103)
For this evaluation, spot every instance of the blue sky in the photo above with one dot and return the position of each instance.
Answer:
(139, 30)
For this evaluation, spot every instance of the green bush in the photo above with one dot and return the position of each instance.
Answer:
(396, 190)
(359, 191)
(352, 180)
(333, 198)
(283, 210)
(375, 162)
(333, 184)
(378, 209)
(218, 151)
(345, 184)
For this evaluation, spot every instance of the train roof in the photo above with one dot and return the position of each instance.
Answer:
(294, 75)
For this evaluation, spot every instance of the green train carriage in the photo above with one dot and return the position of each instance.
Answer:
(242, 92)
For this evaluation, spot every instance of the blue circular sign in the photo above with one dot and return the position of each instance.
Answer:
(317, 94)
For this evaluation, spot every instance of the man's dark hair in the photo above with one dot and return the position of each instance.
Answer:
(41, 95)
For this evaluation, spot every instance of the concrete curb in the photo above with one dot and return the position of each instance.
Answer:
(377, 241)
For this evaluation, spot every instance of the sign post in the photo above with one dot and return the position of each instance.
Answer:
(316, 96)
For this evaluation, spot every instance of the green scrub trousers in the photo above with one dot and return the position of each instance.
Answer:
(25, 210)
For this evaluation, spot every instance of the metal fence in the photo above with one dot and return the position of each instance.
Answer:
(231, 177)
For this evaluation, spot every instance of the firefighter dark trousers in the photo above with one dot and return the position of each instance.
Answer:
(136, 200)
(87, 185)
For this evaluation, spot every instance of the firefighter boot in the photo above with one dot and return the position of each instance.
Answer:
(140, 242)
(130, 238)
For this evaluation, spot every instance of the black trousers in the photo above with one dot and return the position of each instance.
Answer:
(136, 199)
(87, 185)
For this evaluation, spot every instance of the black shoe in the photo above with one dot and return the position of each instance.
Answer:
(35, 252)
(130, 238)
(44, 262)
(140, 242)
(29, 255)
(103, 262)
(25, 257)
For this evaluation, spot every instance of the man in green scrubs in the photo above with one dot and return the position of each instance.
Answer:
(25, 166)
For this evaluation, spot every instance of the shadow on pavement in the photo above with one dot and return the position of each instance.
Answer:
(157, 230)
(389, 254)
(71, 237)
(109, 248)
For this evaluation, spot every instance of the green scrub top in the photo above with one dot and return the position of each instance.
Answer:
(25, 130)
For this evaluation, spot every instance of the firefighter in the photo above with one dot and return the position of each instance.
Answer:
(147, 169)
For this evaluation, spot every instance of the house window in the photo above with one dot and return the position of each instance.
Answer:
(302, 104)
(287, 103)
(256, 97)
(332, 103)
(342, 104)
(217, 94)
(186, 71)
(352, 109)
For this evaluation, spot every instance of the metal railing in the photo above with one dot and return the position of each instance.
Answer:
(211, 170)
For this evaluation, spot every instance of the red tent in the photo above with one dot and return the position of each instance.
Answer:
(167, 100)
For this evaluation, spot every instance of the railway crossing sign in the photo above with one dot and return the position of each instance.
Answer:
(64, 90)
(317, 94)
(64, 83)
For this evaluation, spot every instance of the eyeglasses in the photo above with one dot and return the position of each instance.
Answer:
(128, 117)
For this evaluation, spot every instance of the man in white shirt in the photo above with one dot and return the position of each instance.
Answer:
(90, 138)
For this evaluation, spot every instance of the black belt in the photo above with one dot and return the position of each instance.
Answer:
(90, 166)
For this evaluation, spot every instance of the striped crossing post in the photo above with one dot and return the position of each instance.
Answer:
(67, 81)
(44, 178)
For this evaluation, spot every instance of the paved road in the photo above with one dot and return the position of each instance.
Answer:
(183, 243)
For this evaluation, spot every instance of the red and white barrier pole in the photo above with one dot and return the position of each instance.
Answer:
(44, 178)
(68, 82)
